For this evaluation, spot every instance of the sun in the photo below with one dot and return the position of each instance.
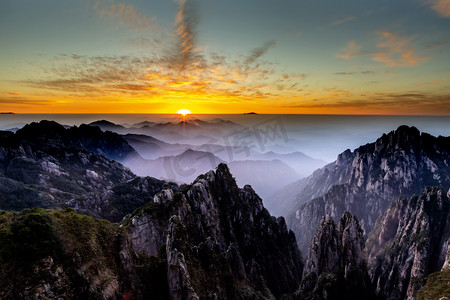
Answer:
(184, 112)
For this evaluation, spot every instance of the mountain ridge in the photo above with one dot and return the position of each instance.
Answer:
(47, 165)
(366, 180)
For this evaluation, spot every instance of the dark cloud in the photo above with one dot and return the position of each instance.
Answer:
(355, 73)
(260, 51)
(24, 101)
(437, 44)
(186, 22)
(412, 95)
(368, 72)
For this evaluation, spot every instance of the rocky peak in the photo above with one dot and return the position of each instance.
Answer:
(343, 157)
(50, 135)
(235, 247)
(335, 246)
(335, 266)
(352, 241)
(402, 138)
(323, 255)
(40, 131)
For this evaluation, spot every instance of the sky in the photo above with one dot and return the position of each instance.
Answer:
(266, 56)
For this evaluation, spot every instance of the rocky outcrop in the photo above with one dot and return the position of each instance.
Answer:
(221, 243)
(366, 180)
(409, 241)
(115, 202)
(335, 267)
(325, 248)
(59, 254)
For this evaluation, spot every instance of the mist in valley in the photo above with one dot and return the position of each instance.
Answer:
(267, 152)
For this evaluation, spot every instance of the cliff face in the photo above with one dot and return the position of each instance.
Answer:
(221, 243)
(409, 241)
(335, 266)
(366, 180)
(46, 165)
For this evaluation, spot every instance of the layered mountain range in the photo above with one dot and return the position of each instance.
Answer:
(181, 150)
(46, 165)
(367, 224)
(367, 180)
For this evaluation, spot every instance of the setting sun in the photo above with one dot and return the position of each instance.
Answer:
(184, 112)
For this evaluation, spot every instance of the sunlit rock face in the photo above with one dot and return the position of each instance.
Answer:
(366, 180)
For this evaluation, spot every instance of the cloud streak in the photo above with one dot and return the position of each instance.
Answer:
(437, 44)
(345, 20)
(185, 22)
(355, 73)
(260, 51)
(397, 51)
(385, 103)
(352, 50)
(441, 7)
(118, 76)
(393, 50)
(126, 15)
(181, 71)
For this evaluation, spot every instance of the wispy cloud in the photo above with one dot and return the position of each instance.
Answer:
(393, 50)
(412, 102)
(185, 22)
(350, 51)
(24, 101)
(180, 70)
(345, 20)
(355, 73)
(336, 92)
(125, 14)
(437, 44)
(260, 51)
(215, 76)
(442, 7)
(396, 50)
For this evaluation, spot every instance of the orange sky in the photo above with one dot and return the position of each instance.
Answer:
(154, 57)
